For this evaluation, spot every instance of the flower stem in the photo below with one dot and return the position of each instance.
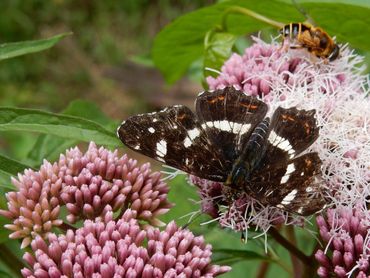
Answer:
(262, 270)
(306, 260)
(250, 13)
(297, 266)
(276, 259)
(310, 271)
(66, 226)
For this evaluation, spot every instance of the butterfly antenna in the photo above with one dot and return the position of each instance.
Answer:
(193, 217)
(243, 237)
(170, 172)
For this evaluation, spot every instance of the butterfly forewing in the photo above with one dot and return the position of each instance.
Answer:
(229, 116)
(175, 137)
(291, 132)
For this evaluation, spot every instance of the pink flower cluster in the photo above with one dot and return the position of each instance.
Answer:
(254, 71)
(264, 68)
(346, 232)
(108, 248)
(89, 185)
(94, 186)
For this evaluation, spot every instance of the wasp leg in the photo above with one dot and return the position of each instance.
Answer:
(284, 45)
(326, 61)
(296, 47)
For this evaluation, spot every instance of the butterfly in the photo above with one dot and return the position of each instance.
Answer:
(229, 139)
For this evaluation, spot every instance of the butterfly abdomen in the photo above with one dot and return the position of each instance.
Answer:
(255, 147)
(251, 155)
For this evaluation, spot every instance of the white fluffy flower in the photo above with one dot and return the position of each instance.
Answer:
(336, 90)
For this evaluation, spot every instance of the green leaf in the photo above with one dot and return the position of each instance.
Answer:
(88, 110)
(11, 258)
(4, 233)
(56, 124)
(229, 256)
(5, 181)
(181, 194)
(11, 166)
(5, 273)
(142, 60)
(49, 147)
(359, 3)
(14, 49)
(218, 47)
(180, 43)
(8, 168)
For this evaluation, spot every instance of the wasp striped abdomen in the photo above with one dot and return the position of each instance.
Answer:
(314, 39)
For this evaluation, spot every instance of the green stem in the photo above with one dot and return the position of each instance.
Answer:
(66, 226)
(247, 12)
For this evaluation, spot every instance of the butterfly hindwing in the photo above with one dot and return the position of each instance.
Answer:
(229, 116)
(174, 137)
(294, 186)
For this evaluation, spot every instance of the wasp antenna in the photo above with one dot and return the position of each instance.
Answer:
(309, 19)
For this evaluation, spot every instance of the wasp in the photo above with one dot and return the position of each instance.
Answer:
(303, 35)
(314, 39)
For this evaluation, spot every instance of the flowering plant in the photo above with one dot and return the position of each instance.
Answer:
(342, 146)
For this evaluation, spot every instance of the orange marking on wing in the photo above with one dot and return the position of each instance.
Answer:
(213, 100)
(250, 106)
(181, 117)
(288, 118)
(307, 128)
(308, 163)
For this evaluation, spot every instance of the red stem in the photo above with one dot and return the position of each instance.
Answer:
(263, 269)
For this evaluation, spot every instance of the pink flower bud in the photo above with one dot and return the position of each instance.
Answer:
(89, 185)
(349, 246)
(117, 249)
